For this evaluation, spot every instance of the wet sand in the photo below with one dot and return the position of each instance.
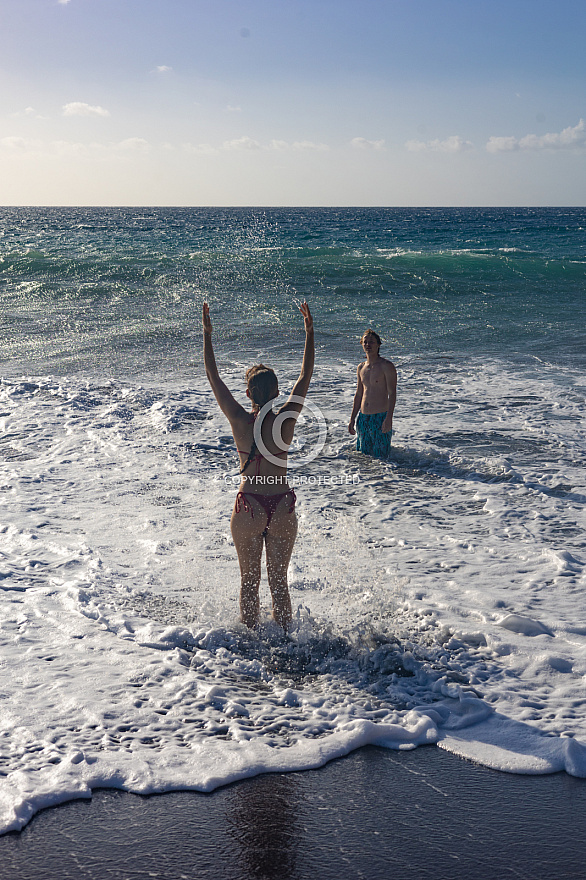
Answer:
(377, 814)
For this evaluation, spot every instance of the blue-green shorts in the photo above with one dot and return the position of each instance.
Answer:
(369, 436)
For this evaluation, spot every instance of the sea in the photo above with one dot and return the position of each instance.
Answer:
(439, 597)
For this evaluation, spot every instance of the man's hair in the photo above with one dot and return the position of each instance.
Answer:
(373, 333)
(262, 384)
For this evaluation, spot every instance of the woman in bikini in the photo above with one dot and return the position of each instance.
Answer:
(264, 512)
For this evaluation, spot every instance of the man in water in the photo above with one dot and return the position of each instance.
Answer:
(374, 401)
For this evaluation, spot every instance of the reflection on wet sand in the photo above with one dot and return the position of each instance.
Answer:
(262, 818)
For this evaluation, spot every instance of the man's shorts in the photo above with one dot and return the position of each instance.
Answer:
(369, 436)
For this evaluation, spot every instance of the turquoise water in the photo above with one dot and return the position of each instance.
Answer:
(118, 282)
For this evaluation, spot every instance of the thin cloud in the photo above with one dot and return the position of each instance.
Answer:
(232, 109)
(74, 149)
(452, 144)
(309, 146)
(63, 2)
(199, 149)
(360, 143)
(14, 143)
(571, 138)
(164, 68)
(297, 146)
(19, 144)
(28, 111)
(134, 144)
(79, 108)
(130, 147)
(502, 144)
(248, 144)
(243, 143)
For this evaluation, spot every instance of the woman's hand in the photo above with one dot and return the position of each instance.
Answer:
(308, 320)
(206, 320)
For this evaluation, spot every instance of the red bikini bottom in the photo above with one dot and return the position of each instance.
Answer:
(268, 502)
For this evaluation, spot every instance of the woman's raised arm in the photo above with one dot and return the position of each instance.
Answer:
(229, 406)
(302, 384)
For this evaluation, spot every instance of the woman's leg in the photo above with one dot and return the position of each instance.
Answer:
(279, 540)
(248, 540)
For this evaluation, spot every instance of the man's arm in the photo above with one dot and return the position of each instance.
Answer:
(230, 407)
(357, 401)
(391, 380)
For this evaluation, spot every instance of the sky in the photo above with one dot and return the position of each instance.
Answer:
(293, 102)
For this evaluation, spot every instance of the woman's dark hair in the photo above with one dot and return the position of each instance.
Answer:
(262, 386)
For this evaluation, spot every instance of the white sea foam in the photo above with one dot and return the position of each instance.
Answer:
(439, 597)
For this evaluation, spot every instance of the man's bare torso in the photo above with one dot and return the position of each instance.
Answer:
(377, 383)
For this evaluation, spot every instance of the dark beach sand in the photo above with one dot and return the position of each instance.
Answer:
(377, 814)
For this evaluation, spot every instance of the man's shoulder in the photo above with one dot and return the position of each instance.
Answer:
(388, 365)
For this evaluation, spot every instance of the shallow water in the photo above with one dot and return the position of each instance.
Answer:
(438, 597)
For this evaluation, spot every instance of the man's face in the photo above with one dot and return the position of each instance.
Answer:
(369, 344)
